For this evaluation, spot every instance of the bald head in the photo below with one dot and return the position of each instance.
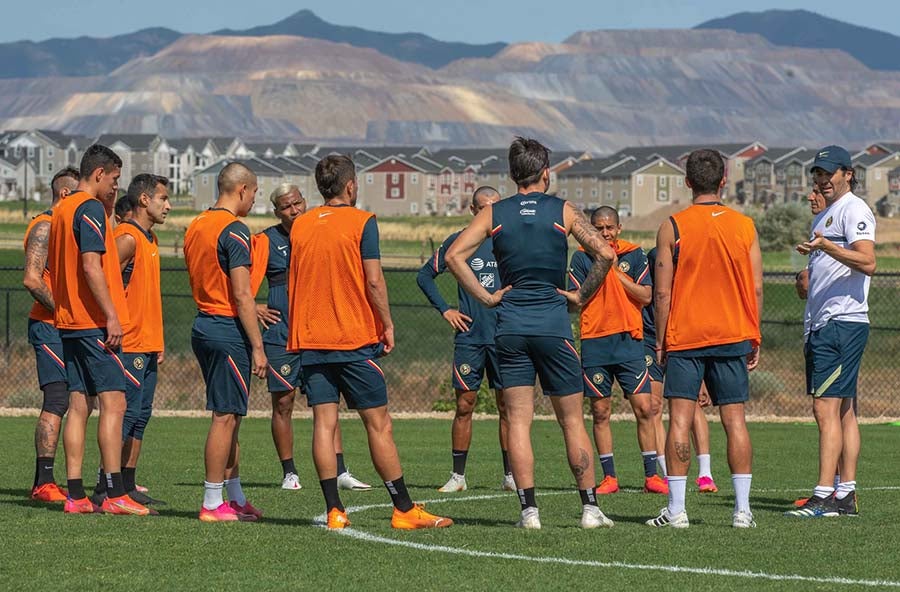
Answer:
(484, 195)
(233, 176)
(604, 212)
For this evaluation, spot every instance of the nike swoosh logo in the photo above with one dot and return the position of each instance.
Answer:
(717, 214)
(282, 248)
(639, 376)
(323, 214)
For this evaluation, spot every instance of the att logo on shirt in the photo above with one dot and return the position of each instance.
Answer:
(477, 264)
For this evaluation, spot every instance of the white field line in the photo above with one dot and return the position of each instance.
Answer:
(705, 571)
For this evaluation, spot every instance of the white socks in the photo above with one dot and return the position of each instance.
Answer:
(821, 491)
(235, 493)
(741, 485)
(661, 461)
(704, 464)
(845, 489)
(677, 487)
(212, 495)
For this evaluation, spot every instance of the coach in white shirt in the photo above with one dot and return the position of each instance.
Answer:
(841, 253)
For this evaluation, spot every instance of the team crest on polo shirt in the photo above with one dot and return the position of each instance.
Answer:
(465, 369)
(624, 266)
(597, 378)
(285, 369)
(138, 363)
(648, 360)
(829, 221)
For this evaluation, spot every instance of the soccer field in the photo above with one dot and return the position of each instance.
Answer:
(43, 549)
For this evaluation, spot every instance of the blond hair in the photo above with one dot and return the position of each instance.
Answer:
(282, 190)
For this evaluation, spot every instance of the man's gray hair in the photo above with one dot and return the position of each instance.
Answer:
(282, 190)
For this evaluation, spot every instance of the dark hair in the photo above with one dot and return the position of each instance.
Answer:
(705, 170)
(527, 160)
(144, 183)
(124, 205)
(853, 182)
(68, 172)
(485, 190)
(605, 212)
(333, 173)
(96, 157)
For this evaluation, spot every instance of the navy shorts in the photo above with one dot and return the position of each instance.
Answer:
(726, 378)
(284, 373)
(226, 371)
(656, 371)
(833, 355)
(471, 362)
(633, 376)
(91, 367)
(361, 382)
(48, 352)
(140, 386)
(553, 360)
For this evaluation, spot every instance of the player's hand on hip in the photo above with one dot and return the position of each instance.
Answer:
(753, 359)
(497, 296)
(573, 297)
(267, 316)
(457, 320)
(259, 362)
(113, 333)
(387, 338)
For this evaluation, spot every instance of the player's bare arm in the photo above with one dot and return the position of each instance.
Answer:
(96, 281)
(126, 247)
(860, 256)
(246, 306)
(756, 266)
(376, 288)
(589, 237)
(464, 247)
(640, 294)
(662, 287)
(36, 249)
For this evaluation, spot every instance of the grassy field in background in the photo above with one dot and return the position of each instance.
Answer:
(41, 547)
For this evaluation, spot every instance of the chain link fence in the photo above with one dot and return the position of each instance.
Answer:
(418, 371)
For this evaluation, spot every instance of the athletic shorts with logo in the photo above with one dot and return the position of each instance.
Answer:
(656, 371)
(91, 366)
(471, 362)
(225, 366)
(554, 360)
(48, 351)
(140, 386)
(284, 373)
(833, 356)
(633, 376)
(723, 368)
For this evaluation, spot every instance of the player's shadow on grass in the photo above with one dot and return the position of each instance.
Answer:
(22, 497)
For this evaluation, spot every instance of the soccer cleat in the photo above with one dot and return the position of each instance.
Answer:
(608, 485)
(531, 520)
(347, 481)
(81, 506)
(679, 520)
(48, 492)
(417, 517)
(246, 513)
(456, 483)
(849, 506)
(143, 498)
(592, 517)
(800, 502)
(124, 505)
(816, 507)
(291, 482)
(337, 519)
(656, 484)
(743, 520)
(223, 513)
(509, 484)
(706, 484)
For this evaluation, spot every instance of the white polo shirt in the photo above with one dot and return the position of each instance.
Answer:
(836, 291)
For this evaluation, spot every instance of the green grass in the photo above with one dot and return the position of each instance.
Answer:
(41, 547)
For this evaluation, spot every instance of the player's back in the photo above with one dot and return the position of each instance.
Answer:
(209, 279)
(531, 247)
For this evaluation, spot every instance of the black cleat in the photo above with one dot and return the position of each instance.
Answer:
(816, 507)
(144, 499)
(97, 497)
(848, 506)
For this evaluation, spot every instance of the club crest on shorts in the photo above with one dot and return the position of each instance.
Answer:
(138, 363)
(624, 266)
(648, 360)
(285, 369)
(597, 378)
(465, 369)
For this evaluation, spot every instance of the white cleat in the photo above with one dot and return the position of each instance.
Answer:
(456, 483)
(679, 520)
(509, 484)
(530, 519)
(291, 482)
(592, 517)
(743, 520)
(347, 481)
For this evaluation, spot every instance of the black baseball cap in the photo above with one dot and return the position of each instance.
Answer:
(832, 158)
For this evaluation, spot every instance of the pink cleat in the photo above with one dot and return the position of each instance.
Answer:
(223, 513)
(247, 512)
(706, 484)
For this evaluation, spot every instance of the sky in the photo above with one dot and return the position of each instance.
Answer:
(482, 22)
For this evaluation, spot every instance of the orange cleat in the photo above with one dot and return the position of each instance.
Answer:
(607, 486)
(124, 505)
(337, 519)
(223, 513)
(81, 506)
(417, 517)
(48, 492)
(656, 484)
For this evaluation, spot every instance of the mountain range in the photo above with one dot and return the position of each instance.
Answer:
(596, 90)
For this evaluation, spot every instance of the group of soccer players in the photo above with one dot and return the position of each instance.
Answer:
(690, 309)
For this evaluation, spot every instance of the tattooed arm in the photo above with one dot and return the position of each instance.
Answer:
(594, 244)
(36, 250)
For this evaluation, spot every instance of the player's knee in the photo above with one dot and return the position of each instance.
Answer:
(642, 407)
(600, 412)
(284, 405)
(56, 399)
(465, 404)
